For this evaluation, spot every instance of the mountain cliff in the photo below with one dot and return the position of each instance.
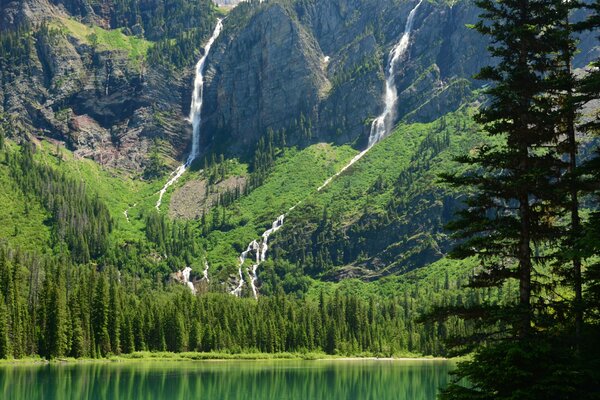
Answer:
(88, 74)
(291, 88)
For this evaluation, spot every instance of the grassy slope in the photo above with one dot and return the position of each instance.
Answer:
(354, 195)
(110, 40)
(295, 176)
(115, 188)
(351, 192)
(294, 179)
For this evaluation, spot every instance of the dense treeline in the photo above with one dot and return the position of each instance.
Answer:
(524, 217)
(175, 241)
(54, 308)
(79, 220)
(180, 52)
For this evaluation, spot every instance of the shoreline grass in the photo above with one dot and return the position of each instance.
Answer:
(146, 356)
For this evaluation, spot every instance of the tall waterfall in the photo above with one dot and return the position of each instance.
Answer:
(195, 115)
(380, 128)
(383, 124)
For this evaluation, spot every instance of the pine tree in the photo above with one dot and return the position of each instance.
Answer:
(5, 350)
(516, 199)
(114, 316)
(56, 314)
(100, 311)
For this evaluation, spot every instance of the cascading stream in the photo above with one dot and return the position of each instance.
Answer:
(382, 125)
(195, 117)
(205, 272)
(185, 274)
(260, 250)
(380, 128)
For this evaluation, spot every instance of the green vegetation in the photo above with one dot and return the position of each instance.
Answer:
(123, 302)
(78, 311)
(23, 217)
(390, 202)
(107, 40)
(522, 219)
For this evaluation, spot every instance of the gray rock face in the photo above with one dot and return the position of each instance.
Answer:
(323, 61)
(103, 105)
(315, 68)
(261, 76)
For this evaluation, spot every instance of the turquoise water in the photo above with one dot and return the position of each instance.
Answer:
(247, 380)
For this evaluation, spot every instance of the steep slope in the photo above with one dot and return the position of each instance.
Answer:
(315, 69)
(75, 71)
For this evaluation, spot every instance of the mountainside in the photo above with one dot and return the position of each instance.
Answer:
(105, 79)
(291, 89)
(301, 178)
(316, 69)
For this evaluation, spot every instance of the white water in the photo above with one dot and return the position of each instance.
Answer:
(253, 246)
(383, 124)
(126, 212)
(380, 128)
(260, 252)
(195, 115)
(205, 272)
(186, 279)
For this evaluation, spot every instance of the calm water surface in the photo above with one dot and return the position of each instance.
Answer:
(247, 380)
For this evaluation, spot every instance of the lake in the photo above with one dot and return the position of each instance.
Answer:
(247, 380)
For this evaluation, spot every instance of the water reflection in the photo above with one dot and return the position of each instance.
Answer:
(246, 380)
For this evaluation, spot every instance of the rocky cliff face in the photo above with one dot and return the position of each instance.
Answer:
(313, 68)
(264, 74)
(104, 102)
(322, 62)
(316, 68)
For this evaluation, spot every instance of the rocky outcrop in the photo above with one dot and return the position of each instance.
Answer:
(323, 61)
(314, 68)
(263, 74)
(102, 103)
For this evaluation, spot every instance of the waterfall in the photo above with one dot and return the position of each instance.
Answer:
(253, 246)
(186, 279)
(205, 272)
(380, 128)
(260, 253)
(383, 124)
(195, 115)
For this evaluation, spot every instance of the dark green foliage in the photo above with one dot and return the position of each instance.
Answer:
(54, 308)
(79, 220)
(99, 317)
(178, 27)
(318, 239)
(4, 341)
(535, 368)
(54, 338)
(155, 167)
(180, 52)
(15, 51)
(174, 240)
(511, 209)
(265, 153)
(524, 206)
